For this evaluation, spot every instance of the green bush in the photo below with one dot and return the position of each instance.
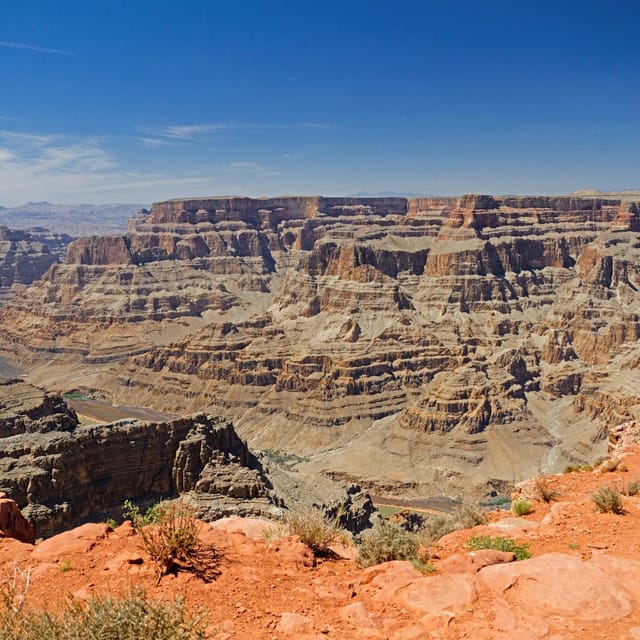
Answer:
(132, 512)
(388, 541)
(521, 506)
(521, 551)
(313, 528)
(133, 616)
(65, 566)
(288, 460)
(608, 500)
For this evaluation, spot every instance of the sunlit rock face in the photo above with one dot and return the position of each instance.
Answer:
(430, 344)
(26, 255)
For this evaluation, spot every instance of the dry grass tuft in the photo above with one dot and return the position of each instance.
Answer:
(313, 528)
(544, 490)
(103, 618)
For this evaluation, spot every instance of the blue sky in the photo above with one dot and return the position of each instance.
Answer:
(140, 101)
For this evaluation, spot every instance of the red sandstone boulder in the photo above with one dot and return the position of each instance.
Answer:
(12, 523)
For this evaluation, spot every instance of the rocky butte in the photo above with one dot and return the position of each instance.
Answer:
(418, 346)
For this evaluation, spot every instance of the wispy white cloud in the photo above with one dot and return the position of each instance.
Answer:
(255, 166)
(197, 132)
(32, 47)
(34, 166)
(188, 132)
(153, 142)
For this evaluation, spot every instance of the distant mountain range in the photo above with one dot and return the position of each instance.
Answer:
(73, 219)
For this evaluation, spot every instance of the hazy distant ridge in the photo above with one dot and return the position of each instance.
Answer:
(73, 219)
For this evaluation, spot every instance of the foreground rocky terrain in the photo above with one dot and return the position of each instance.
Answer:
(419, 346)
(581, 583)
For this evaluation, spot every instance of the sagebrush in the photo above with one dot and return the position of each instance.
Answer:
(465, 516)
(390, 541)
(608, 500)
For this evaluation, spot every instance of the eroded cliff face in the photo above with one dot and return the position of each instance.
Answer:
(61, 472)
(26, 255)
(429, 345)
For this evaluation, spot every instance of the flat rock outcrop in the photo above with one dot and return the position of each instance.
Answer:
(426, 345)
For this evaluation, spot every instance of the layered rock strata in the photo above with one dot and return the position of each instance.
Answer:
(417, 344)
(62, 473)
(26, 255)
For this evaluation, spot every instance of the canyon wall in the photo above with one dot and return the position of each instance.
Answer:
(26, 255)
(416, 345)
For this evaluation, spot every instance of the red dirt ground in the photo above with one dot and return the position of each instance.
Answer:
(276, 589)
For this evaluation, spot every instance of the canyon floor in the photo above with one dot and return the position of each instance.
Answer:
(582, 581)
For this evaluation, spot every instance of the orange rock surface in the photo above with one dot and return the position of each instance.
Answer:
(582, 582)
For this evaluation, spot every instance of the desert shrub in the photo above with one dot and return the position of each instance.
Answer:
(466, 516)
(608, 500)
(521, 506)
(65, 566)
(313, 527)
(132, 512)
(173, 538)
(578, 467)
(610, 465)
(437, 526)
(544, 491)
(521, 551)
(104, 618)
(388, 541)
(633, 488)
(288, 460)
(469, 515)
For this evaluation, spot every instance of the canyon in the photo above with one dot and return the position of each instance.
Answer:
(61, 473)
(422, 346)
